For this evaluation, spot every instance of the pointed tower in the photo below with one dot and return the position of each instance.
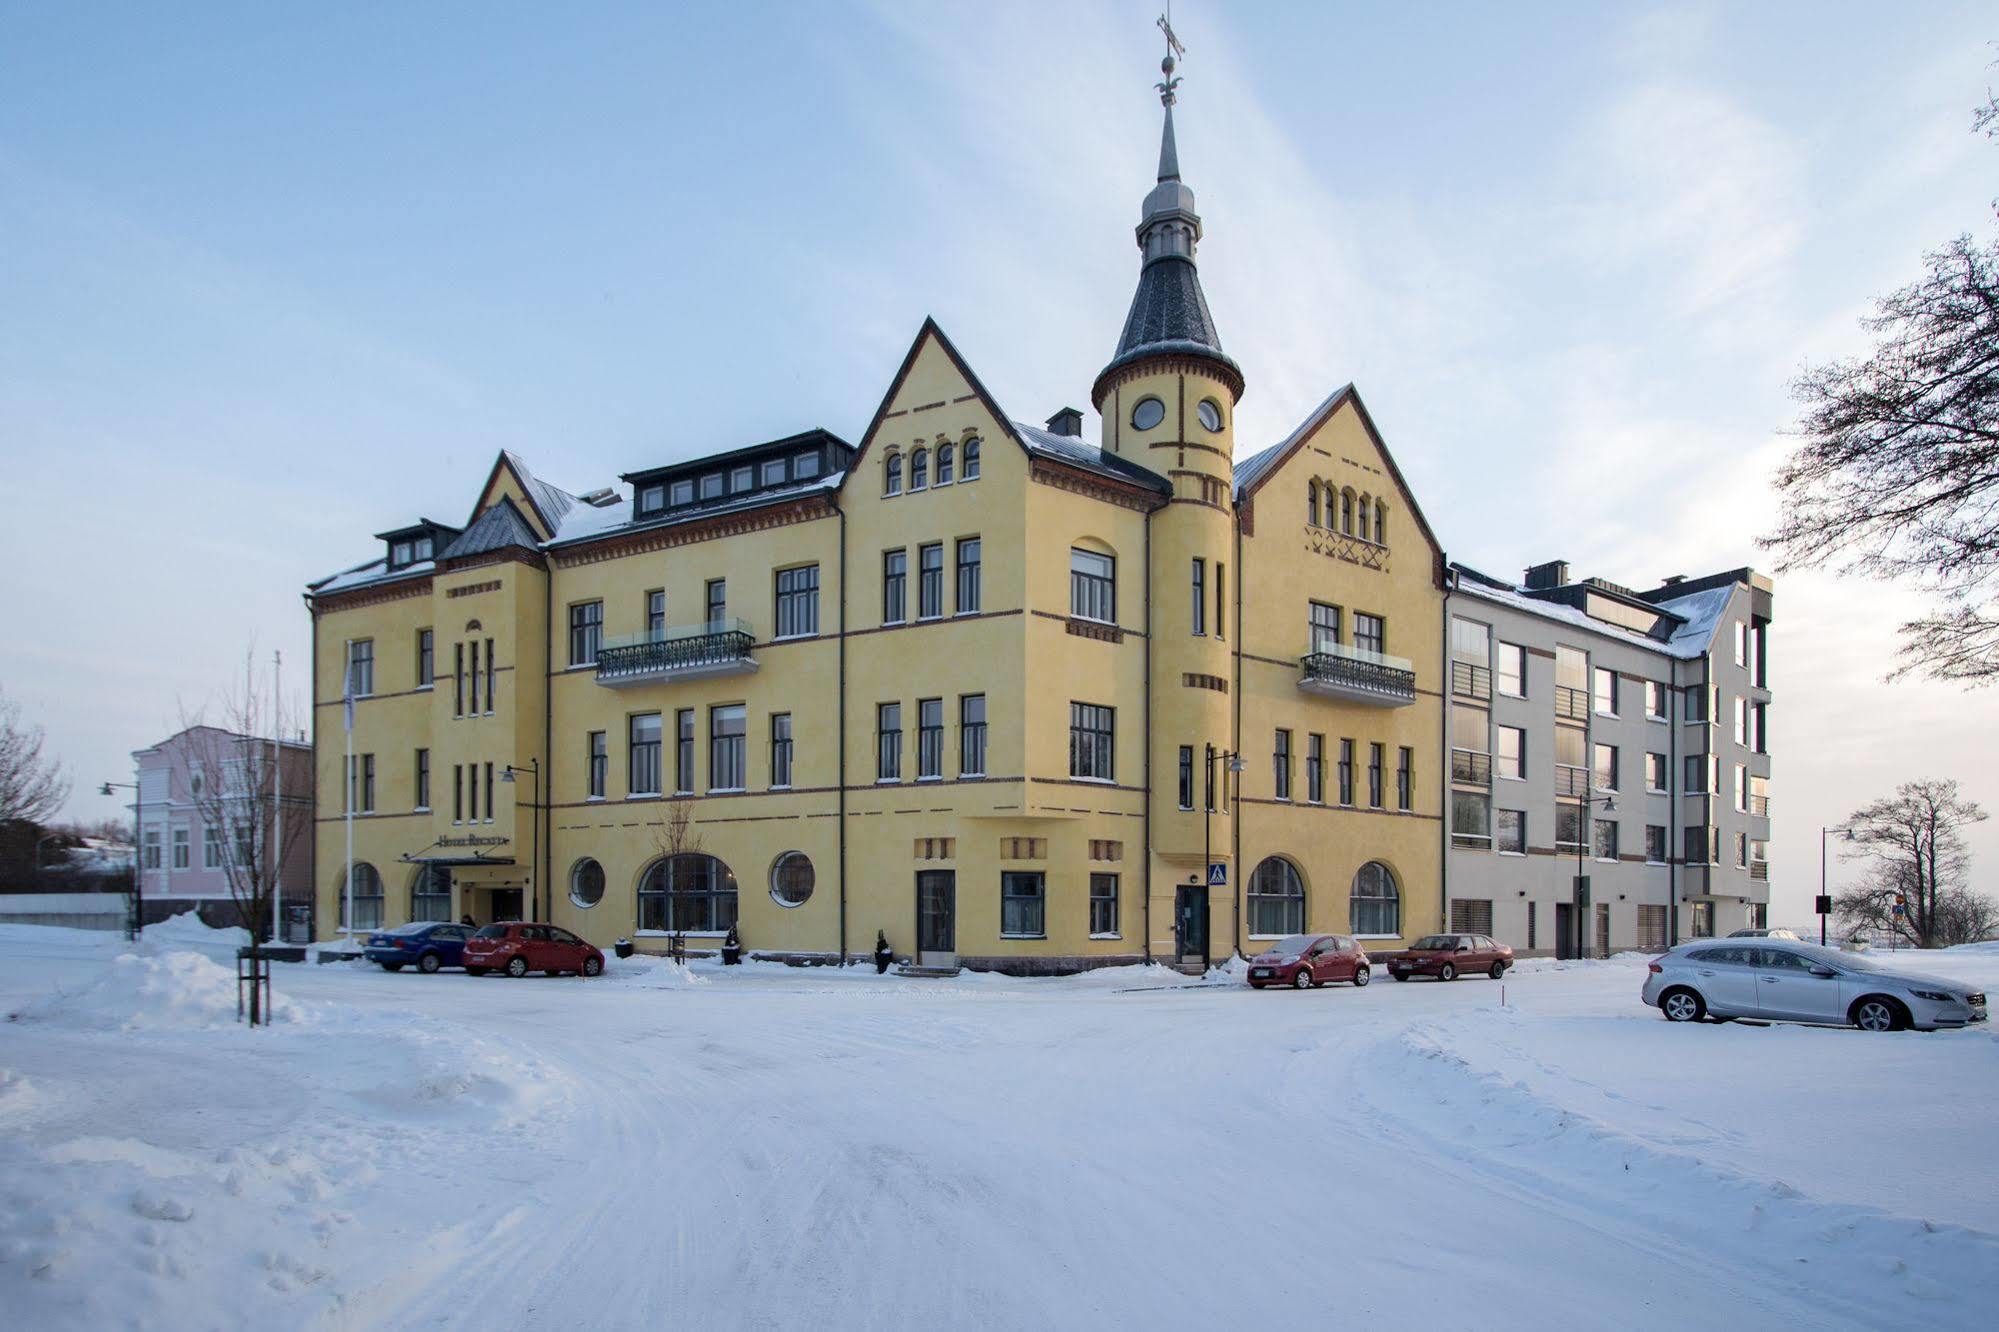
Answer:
(1168, 402)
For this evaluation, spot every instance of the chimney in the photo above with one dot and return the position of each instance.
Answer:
(1068, 421)
(1542, 577)
(1672, 580)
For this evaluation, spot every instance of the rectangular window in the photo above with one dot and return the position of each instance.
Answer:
(651, 498)
(1470, 642)
(474, 675)
(772, 472)
(1092, 586)
(1606, 767)
(458, 679)
(1221, 604)
(492, 667)
(586, 632)
(361, 667)
(711, 486)
(1370, 633)
(1510, 756)
(971, 735)
(426, 658)
(1655, 700)
(598, 763)
(1405, 777)
(930, 581)
(1606, 839)
(1569, 826)
(682, 492)
(1471, 915)
(798, 602)
(1374, 757)
(1531, 923)
(423, 779)
(655, 615)
(1325, 627)
(1741, 850)
(1509, 831)
(1655, 774)
(1694, 703)
(1655, 844)
(1023, 903)
(1281, 761)
(489, 793)
(717, 602)
(895, 581)
(780, 750)
(1696, 774)
(728, 743)
(1741, 789)
(1186, 776)
(1471, 819)
(458, 793)
(1741, 720)
(367, 805)
(1346, 772)
(1103, 906)
(1605, 693)
(1695, 845)
(969, 587)
(211, 847)
(180, 848)
(1512, 671)
(1741, 643)
(1200, 607)
(888, 742)
(929, 738)
(1651, 927)
(643, 774)
(683, 752)
(1091, 742)
(1315, 768)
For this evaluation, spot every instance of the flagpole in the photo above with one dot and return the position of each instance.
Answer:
(278, 800)
(347, 792)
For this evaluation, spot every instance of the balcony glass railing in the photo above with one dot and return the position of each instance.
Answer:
(1358, 674)
(715, 647)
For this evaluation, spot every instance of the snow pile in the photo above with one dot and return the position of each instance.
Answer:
(651, 973)
(187, 930)
(134, 993)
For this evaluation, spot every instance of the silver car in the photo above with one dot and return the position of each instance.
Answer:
(1800, 982)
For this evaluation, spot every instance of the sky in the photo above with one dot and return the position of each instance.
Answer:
(276, 278)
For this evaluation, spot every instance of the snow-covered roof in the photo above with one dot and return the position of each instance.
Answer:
(586, 522)
(374, 571)
(1079, 452)
(1700, 613)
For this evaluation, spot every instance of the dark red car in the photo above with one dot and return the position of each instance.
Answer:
(517, 948)
(1449, 956)
(1305, 960)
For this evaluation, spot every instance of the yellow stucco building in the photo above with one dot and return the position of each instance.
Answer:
(1008, 698)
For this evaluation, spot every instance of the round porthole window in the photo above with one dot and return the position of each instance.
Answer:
(791, 879)
(586, 883)
(1210, 413)
(1148, 413)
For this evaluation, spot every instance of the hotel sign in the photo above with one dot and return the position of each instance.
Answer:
(470, 839)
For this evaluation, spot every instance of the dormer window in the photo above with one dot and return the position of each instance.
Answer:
(683, 493)
(741, 479)
(711, 486)
(805, 466)
(420, 549)
(773, 472)
(399, 554)
(652, 498)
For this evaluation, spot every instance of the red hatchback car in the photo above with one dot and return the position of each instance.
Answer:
(1449, 956)
(1305, 960)
(518, 948)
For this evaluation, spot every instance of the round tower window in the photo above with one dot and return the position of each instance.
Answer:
(586, 883)
(791, 879)
(1149, 413)
(1210, 413)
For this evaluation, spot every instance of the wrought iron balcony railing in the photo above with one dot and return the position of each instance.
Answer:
(1469, 681)
(691, 653)
(1358, 676)
(1470, 767)
(1572, 704)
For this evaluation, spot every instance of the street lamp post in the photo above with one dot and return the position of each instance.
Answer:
(137, 924)
(1824, 904)
(533, 770)
(1579, 894)
(1231, 764)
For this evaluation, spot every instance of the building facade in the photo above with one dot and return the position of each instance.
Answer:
(207, 797)
(1006, 697)
(1613, 734)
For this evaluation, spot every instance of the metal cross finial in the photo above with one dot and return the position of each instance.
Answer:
(1168, 86)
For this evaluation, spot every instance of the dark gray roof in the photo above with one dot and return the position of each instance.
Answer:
(1079, 453)
(498, 528)
(1169, 316)
(551, 500)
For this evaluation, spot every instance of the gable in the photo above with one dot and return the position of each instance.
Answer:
(1337, 443)
(932, 376)
(507, 482)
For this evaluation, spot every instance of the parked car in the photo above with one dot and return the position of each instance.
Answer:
(424, 944)
(1449, 956)
(517, 948)
(1799, 982)
(1779, 933)
(1305, 960)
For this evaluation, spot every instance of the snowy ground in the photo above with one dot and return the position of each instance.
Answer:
(763, 1147)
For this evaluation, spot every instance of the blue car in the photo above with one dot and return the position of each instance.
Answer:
(424, 944)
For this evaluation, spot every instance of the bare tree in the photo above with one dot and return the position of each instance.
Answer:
(1914, 841)
(233, 780)
(33, 785)
(674, 836)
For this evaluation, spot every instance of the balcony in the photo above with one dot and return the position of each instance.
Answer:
(1359, 676)
(1470, 767)
(1470, 681)
(1571, 781)
(1571, 704)
(695, 652)
(1759, 806)
(1759, 870)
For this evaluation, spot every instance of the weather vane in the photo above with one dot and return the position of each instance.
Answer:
(1167, 86)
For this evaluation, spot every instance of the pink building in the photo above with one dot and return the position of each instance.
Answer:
(208, 795)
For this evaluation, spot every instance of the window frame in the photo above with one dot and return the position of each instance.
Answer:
(1027, 911)
(1091, 592)
(1092, 742)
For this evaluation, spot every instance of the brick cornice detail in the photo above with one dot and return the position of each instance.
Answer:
(355, 598)
(618, 545)
(1094, 487)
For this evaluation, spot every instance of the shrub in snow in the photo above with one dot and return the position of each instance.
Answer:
(138, 993)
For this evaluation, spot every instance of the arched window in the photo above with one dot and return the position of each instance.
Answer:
(919, 469)
(1312, 507)
(367, 896)
(791, 879)
(1381, 523)
(1376, 907)
(892, 475)
(430, 893)
(1276, 898)
(1346, 512)
(690, 892)
(944, 452)
(586, 883)
(971, 459)
(1361, 515)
